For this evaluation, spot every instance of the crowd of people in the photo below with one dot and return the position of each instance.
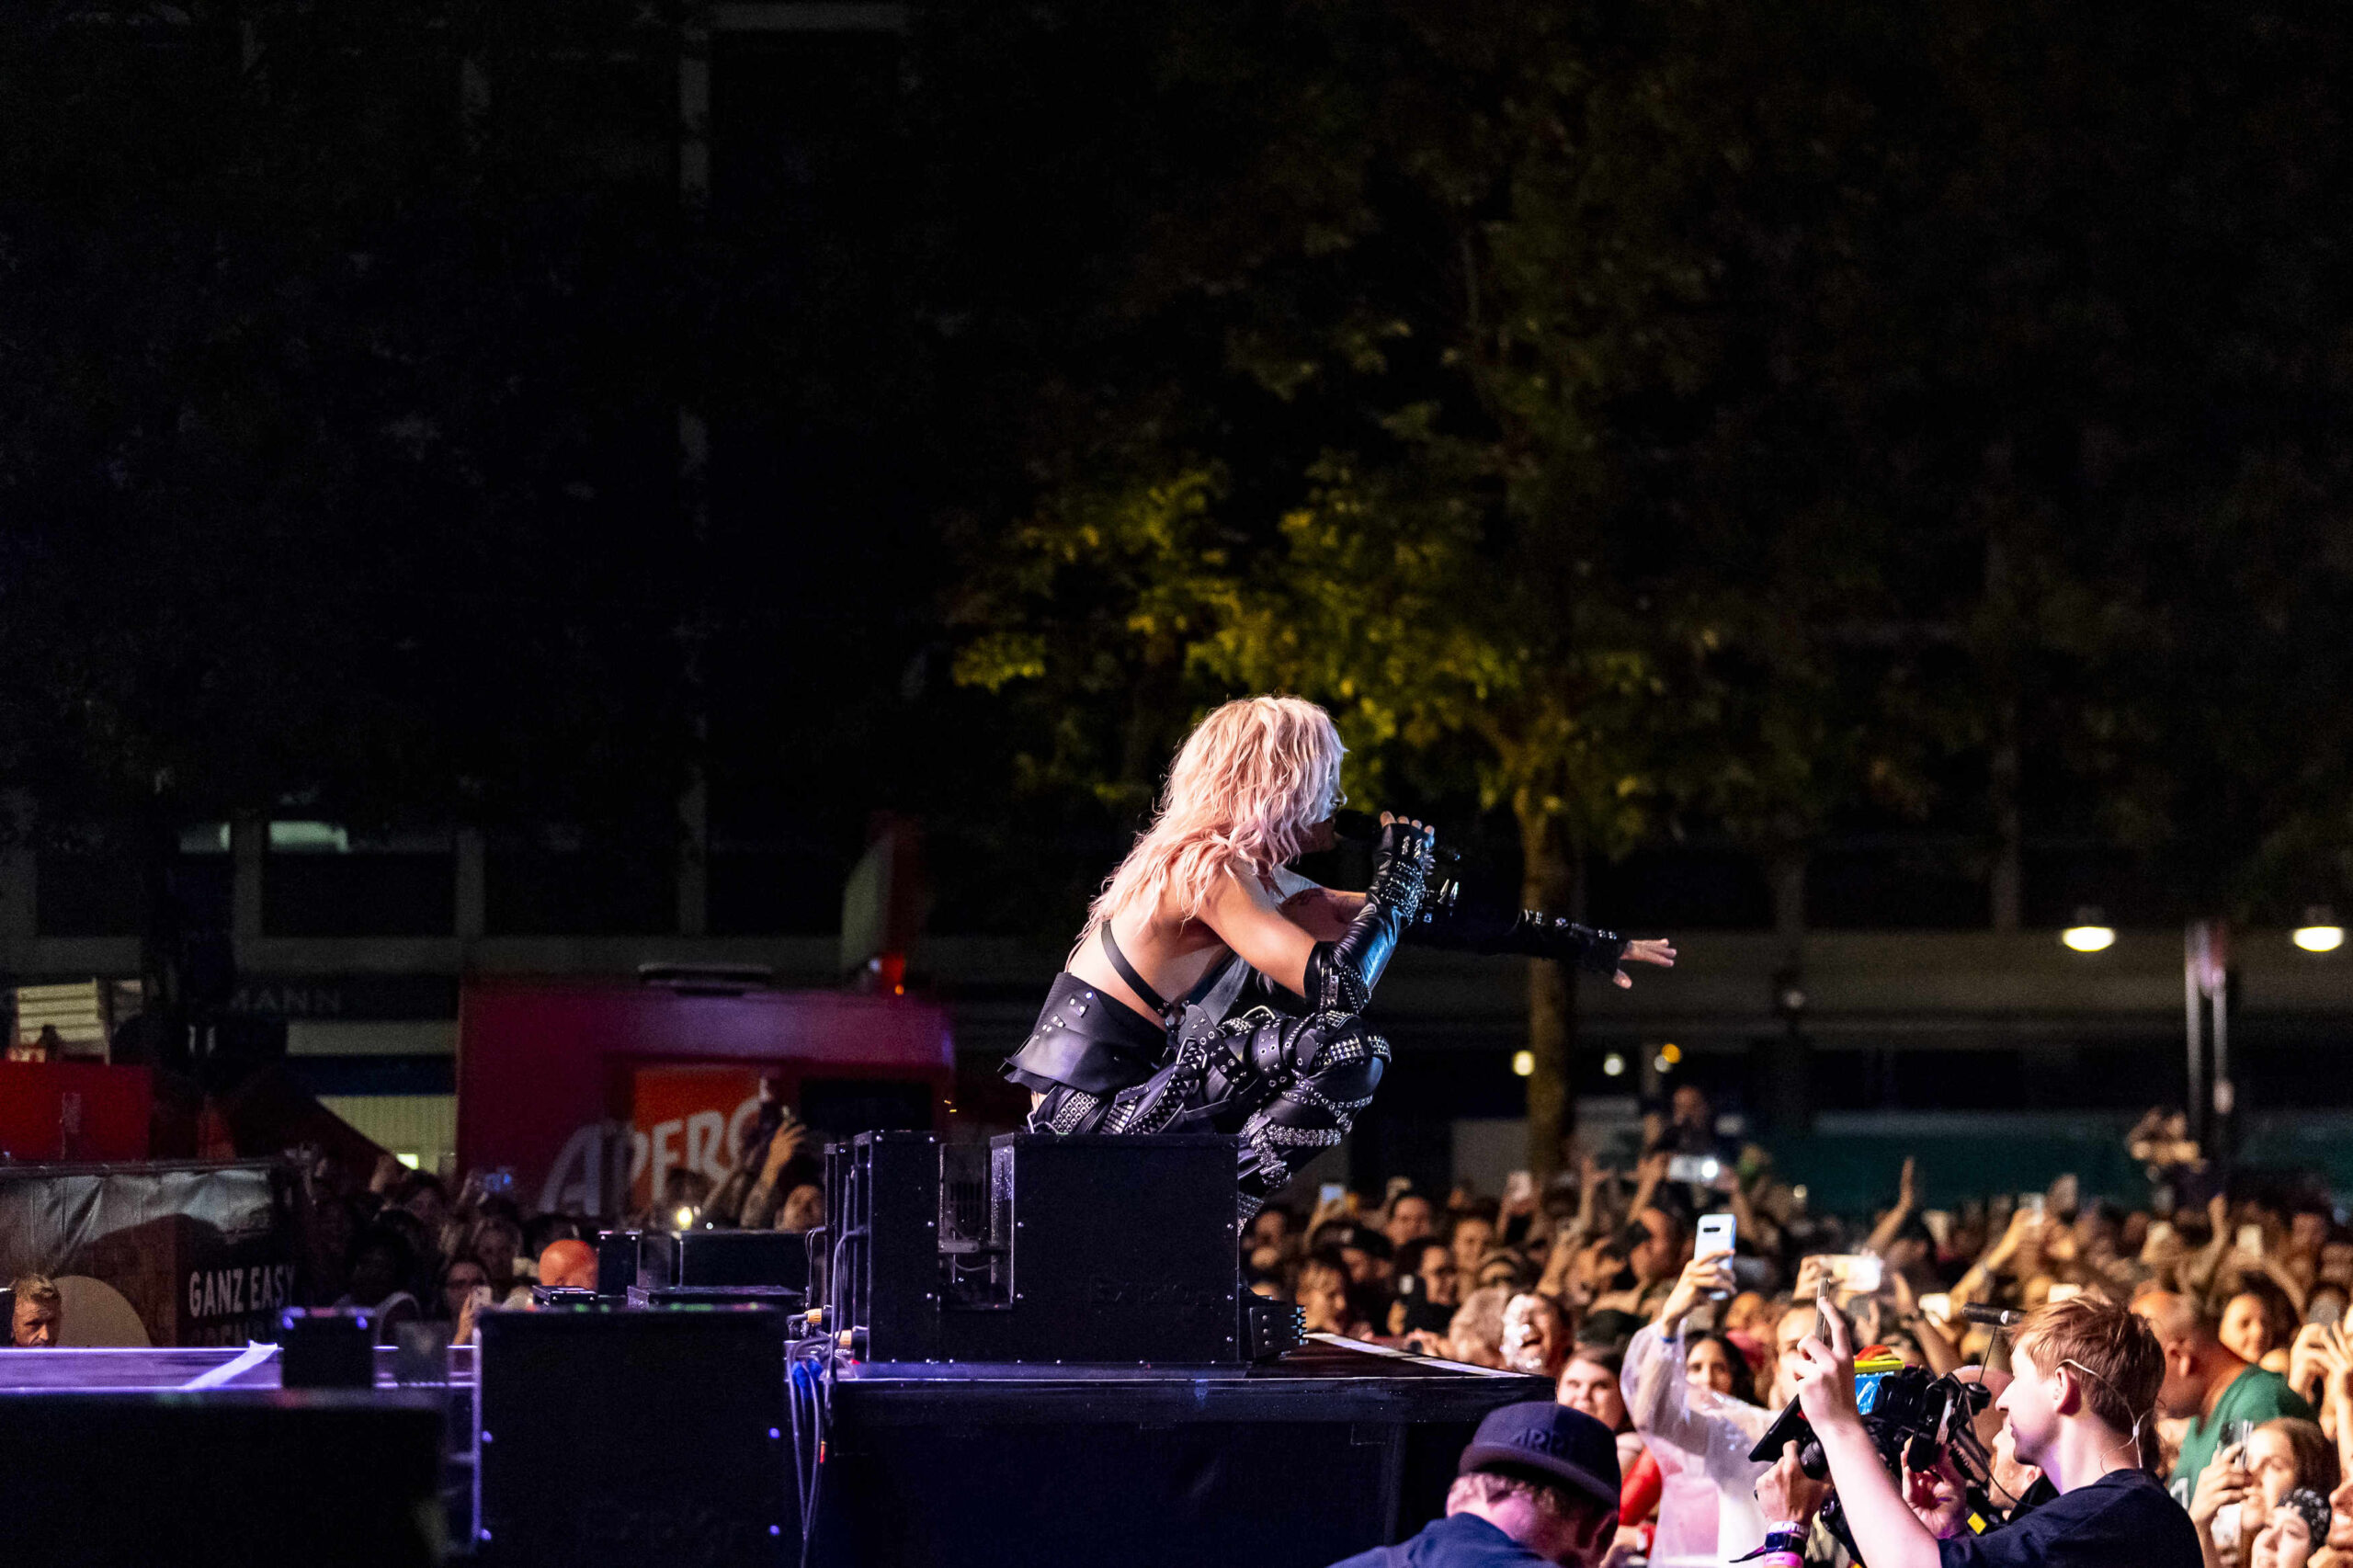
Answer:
(1595, 1285)
(408, 1249)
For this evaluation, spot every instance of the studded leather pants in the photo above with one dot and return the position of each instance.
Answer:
(1290, 1086)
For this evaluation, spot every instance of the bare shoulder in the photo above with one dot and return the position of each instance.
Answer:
(1289, 884)
(1239, 887)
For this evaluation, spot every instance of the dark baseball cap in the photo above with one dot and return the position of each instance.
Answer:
(1547, 1440)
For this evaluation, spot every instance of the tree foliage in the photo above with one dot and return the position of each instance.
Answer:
(1743, 417)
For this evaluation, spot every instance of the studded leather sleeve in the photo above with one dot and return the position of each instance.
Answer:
(1341, 975)
(1470, 919)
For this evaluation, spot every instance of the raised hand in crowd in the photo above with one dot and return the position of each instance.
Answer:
(1907, 1203)
(1936, 1345)
(791, 1136)
(2320, 1367)
(1649, 1177)
(2200, 1272)
(477, 1301)
(1708, 1272)
(2222, 1485)
(2022, 1237)
(2315, 1351)
(1343, 1206)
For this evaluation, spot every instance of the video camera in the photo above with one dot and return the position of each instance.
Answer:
(1914, 1418)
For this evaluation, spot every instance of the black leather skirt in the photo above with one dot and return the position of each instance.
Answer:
(1085, 1040)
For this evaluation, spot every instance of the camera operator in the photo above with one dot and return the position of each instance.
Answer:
(2085, 1374)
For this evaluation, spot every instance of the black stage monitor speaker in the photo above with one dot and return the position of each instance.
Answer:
(616, 1439)
(742, 1258)
(322, 1348)
(220, 1478)
(640, 1259)
(1113, 1250)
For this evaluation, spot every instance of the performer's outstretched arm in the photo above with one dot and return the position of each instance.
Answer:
(1248, 919)
(1466, 917)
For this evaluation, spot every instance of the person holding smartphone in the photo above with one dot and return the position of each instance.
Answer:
(1700, 1435)
(2209, 1383)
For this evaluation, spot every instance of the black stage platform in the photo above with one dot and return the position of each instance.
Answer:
(1336, 1447)
(201, 1456)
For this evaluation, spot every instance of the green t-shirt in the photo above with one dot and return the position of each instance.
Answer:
(2254, 1395)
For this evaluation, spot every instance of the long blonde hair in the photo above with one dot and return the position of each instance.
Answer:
(1246, 785)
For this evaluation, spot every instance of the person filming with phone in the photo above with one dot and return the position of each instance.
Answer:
(2086, 1376)
(2209, 1384)
(1699, 1433)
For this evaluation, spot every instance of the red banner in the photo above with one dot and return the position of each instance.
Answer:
(74, 1111)
(691, 1120)
(550, 1076)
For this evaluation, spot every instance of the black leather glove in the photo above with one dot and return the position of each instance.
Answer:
(1462, 917)
(1341, 975)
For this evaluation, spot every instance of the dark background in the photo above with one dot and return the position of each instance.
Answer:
(1942, 416)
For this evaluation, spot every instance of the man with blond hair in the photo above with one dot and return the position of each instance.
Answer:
(38, 1315)
(2086, 1375)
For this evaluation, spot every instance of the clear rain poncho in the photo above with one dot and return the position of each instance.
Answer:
(1706, 1509)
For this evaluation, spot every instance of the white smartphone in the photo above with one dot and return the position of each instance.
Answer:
(1716, 1233)
(1331, 1192)
(2031, 1202)
(2251, 1240)
(1859, 1273)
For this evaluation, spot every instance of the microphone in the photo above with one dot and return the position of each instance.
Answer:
(1992, 1317)
(1364, 827)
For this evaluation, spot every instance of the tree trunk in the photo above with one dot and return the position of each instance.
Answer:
(1550, 871)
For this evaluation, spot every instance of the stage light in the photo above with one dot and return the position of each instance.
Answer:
(2320, 933)
(2090, 933)
(685, 1217)
(1613, 1066)
(1671, 1051)
(1662, 1064)
(1523, 1064)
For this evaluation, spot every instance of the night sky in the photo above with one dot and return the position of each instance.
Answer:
(1909, 438)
